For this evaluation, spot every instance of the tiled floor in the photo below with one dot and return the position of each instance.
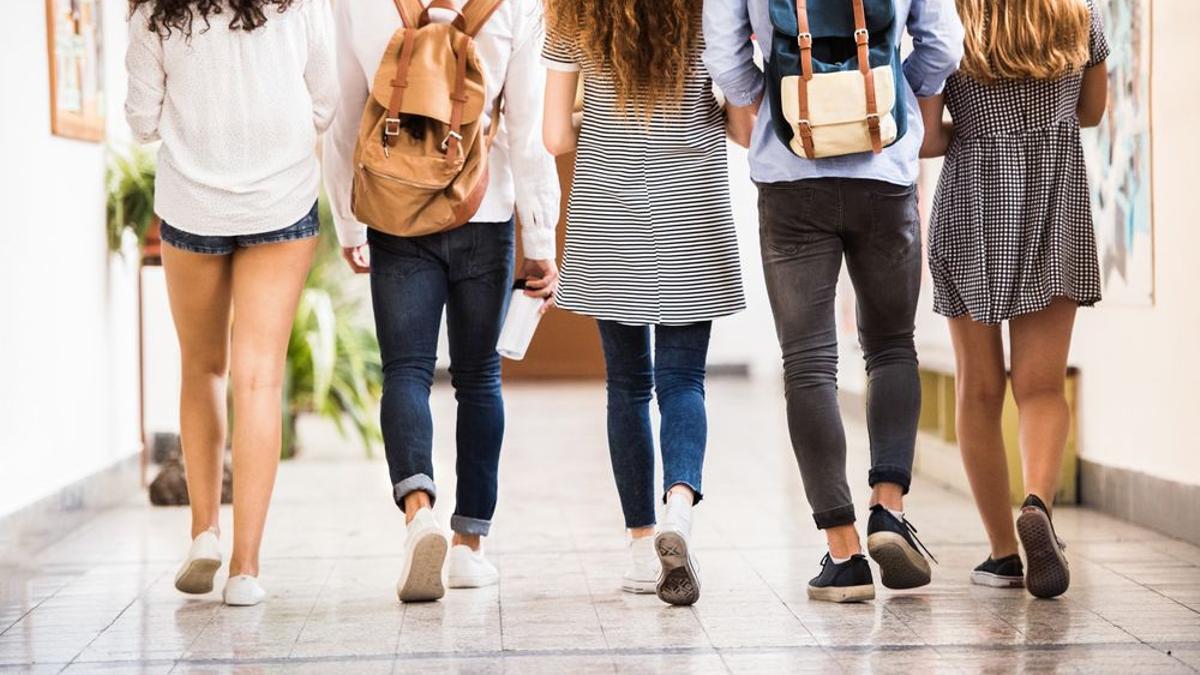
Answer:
(101, 599)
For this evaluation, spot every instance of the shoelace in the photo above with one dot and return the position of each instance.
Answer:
(913, 531)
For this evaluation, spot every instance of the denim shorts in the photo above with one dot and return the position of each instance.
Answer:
(306, 227)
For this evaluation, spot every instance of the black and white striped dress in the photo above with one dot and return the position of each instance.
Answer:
(650, 235)
(1011, 227)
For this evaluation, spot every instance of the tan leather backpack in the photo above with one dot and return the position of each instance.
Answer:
(421, 159)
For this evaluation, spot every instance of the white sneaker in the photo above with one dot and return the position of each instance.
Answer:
(643, 567)
(196, 573)
(424, 560)
(243, 591)
(471, 569)
(679, 583)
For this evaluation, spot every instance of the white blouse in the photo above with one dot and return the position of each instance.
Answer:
(238, 114)
(521, 171)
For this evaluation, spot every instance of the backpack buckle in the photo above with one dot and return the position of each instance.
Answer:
(805, 40)
(446, 141)
(391, 126)
(873, 120)
(861, 36)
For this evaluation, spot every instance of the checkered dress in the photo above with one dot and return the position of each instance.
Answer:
(1012, 224)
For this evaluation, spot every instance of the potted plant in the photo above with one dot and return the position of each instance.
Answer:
(130, 182)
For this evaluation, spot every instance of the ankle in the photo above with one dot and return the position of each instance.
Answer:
(248, 568)
(415, 501)
(641, 532)
(888, 495)
(683, 491)
(843, 541)
(200, 527)
(471, 541)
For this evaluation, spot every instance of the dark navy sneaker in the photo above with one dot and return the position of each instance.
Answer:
(893, 544)
(1047, 575)
(1007, 572)
(846, 582)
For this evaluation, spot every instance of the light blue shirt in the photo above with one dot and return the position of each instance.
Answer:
(937, 37)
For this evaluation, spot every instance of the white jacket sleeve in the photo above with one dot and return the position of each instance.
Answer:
(533, 168)
(147, 78)
(342, 134)
(320, 71)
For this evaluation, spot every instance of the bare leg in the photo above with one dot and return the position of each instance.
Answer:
(267, 281)
(1040, 344)
(199, 288)
(980, 384)
(843, 541)
(891, 495)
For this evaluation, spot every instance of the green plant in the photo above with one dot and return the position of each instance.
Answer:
(333, 364)
(129, 179)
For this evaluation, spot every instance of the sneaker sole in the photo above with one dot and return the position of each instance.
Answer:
(900, 565)
(197, 577)
(679, 583)
(842, 593)
(1046, 572)
(423, 583)
(996, 580)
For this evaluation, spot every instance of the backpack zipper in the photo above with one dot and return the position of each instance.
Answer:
(395, 179)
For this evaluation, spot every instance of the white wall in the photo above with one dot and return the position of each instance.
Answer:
(1140, 367)
(68, 314)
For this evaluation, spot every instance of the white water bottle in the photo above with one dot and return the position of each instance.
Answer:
(520, 322)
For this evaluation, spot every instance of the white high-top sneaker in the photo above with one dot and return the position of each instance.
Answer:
(424, 560)
(642, 574)
(471, 569)
(679, 583)
(196, 573)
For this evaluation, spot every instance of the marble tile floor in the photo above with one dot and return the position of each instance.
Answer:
(101, 598)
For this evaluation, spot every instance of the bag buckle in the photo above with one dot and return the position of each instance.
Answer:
(861, 36)
(391, 126)
(446, 141)
(873, 120)
(805, 40)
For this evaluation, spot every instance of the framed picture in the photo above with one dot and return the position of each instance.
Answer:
(1119, 159)
(75, 41)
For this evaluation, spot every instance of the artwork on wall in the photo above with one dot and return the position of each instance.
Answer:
(1118, 158)
(75, 38)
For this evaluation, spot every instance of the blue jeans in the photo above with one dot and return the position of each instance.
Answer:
(208, 244)
(675, 375)
(468, 272)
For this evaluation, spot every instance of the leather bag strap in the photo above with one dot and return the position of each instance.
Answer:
(862, 38)
(476, 13)
(410, 12)
(391, 124)
(804, 39)
(453, 141)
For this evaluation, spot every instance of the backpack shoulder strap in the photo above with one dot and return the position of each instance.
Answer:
(476, 13)
(410, 12)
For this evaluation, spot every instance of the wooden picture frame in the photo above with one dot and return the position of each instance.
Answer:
(75, 49)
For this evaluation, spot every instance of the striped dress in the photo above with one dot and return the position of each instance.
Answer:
(650, 235)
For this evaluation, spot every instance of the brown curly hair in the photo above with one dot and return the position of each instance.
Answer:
(169, 15)
(644, 44)
(1024, 39)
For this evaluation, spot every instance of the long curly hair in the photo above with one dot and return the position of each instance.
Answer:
(180, 15)
(1024, 39)
(644, 44)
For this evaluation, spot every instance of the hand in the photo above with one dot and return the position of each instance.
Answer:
(541, 279)
(739, 122)
(358, 257)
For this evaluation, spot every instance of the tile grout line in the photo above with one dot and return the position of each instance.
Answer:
(595, 612)
(114, 619)
(312, 608)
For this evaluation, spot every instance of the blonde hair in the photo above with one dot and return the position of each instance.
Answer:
(644, 44)
(1024, 39)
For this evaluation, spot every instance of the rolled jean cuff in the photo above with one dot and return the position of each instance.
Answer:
(472, 526)
(890, 474)
(697, 495)
(841, 515)
(413, 483)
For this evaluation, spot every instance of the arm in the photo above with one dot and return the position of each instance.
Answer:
(147, 79)
(340, 140)
(739, 122)
(320, 71)
(1093, 98)
(938, 132)
(534, 170)
(560, 128)
(937, 37)
(729, 56)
